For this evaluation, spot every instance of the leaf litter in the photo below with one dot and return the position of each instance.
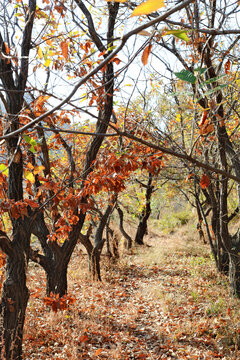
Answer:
(165, 301)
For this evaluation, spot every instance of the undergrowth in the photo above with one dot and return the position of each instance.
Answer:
(161, 301)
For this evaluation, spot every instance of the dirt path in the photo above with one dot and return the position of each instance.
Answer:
(157, 304)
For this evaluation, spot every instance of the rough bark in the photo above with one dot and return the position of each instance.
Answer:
(142, 226)
(15, 293)
(127, 237)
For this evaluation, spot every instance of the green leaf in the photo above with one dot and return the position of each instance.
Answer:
(200, 70)
(209, 81)
(186, 75)
(4, 169)
(180, 34)
(217, 88)
(31, 142)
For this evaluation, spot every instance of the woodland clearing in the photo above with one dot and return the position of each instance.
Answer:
(164, 300)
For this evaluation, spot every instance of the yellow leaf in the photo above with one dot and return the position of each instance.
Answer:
(39, 52)
(29, 176)
(51, 53)
(38, 169)
(4, 169)
(148, 7)
(47, 62)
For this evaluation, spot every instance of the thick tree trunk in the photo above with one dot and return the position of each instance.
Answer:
(57, 280)
(95, 264)
(14, 302)
(14, 294)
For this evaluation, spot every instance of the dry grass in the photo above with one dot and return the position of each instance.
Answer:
(162, 301)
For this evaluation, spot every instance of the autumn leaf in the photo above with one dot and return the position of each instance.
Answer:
(64, 47)
(146, 54)
(148, 7)
(190, 176)
(144, 33)
(7, 49)
(180, 34)
(47, 62)
(38, 169)
(83, 338)
(227, 67)
(98, 351)
(39, 52)
(4, 169)
(204, 182)
(29, 176)
(203, 118)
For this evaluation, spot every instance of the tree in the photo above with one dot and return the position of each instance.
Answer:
(39, 41)
(208, 70)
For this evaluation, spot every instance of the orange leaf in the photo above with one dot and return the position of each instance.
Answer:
(227, 67)
(146, 54)
(98, 351)
(204, 182)
(7, 49)
(190, 176)
(64, 47)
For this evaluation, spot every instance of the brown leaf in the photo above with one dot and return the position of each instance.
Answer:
(64, 47)
(146, 54)
(227, 67)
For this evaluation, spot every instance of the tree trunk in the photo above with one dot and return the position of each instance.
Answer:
(127, 237)
(142, 226)
(234, 265)
(14, 297)
(95, 264)
(98, 244)
(57, 279)
(234, 273)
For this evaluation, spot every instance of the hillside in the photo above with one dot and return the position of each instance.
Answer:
(162, 301)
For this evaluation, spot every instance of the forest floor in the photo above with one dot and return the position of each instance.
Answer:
(164, 300)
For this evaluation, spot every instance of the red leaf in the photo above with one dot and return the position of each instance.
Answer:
(204, 182)
(83, 338)
(146, 54)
